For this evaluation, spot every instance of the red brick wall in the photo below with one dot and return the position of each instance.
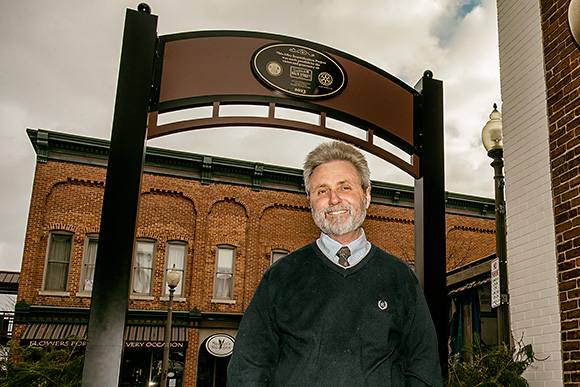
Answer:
(68, 197)
(563, 83)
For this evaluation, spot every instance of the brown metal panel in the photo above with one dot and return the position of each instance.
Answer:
(220, 66)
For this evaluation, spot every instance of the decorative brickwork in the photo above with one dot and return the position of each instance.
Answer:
(562, 58)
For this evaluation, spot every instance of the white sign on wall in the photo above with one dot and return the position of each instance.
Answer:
(495, 289)
(220, 345)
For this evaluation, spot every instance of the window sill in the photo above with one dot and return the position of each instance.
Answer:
(142, 298)
(84, 294)
(175, 299)
(55, 293)
(217, 301)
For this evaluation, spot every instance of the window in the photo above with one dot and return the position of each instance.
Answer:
(277, 254)
(175, 255)
(224, 273)
(89, 259)
(143, 267)
(58, 261)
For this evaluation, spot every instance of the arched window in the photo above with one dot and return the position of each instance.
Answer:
(143, 267)
(89, 259)
(58, 261)
(224, 272)
(175, 258)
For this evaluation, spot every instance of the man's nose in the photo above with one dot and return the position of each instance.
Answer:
(334, 197)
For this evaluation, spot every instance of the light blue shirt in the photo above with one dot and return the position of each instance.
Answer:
(358, 248)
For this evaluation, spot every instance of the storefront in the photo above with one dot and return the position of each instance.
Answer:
(213, 359)
(142, 355)
(470, 311)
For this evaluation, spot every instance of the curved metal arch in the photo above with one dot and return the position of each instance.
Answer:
(214, 68)
(215, 121)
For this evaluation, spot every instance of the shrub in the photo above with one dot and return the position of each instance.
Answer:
(491, 366)
(43, 366)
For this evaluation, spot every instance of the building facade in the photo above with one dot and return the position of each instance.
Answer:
(219, 222)
(540, 78)
(8, 292)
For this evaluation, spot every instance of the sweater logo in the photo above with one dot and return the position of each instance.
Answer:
(383, 304)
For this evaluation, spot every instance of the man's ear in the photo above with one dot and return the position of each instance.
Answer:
(368, 195)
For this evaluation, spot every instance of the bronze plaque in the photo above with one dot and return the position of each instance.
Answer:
(298, 71)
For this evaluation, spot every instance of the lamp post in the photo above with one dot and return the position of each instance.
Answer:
(172, 279)
(492, 138)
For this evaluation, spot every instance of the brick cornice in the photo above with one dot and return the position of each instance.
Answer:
(56, 146)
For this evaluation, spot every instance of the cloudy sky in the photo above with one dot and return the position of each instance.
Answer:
(60, 64)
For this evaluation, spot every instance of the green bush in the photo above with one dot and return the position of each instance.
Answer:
(43, 366)
(491, 366)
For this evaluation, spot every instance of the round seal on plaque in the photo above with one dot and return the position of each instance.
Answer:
(220, 345)
(274, 68)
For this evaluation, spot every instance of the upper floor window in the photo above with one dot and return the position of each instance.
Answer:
(58, 261)
(277, 254)
(224, 273)
(89, 259)
(175, 258)
(143, 267)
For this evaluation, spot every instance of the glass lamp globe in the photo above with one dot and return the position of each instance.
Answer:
(492, 133)
(172, 278)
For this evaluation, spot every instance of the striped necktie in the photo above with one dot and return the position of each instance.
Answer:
(343, 255)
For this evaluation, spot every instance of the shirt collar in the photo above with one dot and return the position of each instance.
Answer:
(358, 248)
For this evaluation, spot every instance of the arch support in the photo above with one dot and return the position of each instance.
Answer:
(110, 294)
(430, 254)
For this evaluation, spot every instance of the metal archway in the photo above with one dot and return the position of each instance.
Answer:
(174, 72)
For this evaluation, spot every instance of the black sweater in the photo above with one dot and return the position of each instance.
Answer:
(313, 323)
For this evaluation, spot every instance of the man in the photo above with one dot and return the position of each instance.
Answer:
(339, 311)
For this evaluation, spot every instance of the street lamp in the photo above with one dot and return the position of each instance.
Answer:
(172, 279)
(492, 138)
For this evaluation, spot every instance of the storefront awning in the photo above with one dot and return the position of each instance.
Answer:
(469, 286)
(56, 334)
(154, 333)
(50, 331)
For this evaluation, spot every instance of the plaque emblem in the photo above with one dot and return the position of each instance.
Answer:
(298, 71)
(325, 79)
(274, 68)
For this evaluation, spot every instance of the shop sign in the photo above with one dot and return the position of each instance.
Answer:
(57, 343)
(154, 344)
(220, 345)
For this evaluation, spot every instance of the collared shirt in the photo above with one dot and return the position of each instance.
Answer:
(358, 248)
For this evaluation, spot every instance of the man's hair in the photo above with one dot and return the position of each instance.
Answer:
(336, 151)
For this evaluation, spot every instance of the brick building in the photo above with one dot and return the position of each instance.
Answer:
(540, 78)
(221, 223)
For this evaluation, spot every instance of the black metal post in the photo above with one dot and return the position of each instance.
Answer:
(503, 318)
(121, 201)
(165, 363)
(430, 248)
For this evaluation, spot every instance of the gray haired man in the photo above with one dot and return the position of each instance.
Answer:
(339, 311)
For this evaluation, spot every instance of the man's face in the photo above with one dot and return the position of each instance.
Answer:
(338, 201)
